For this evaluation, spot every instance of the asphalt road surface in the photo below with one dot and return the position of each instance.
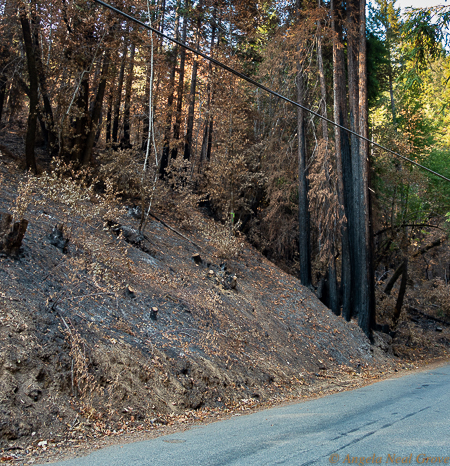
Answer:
(405, 420)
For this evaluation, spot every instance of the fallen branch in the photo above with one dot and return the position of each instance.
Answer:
(171, 229)
(427, 316)
(402, 271)
(426, 248)
(394, 278)
(412, 225)
(323, 376)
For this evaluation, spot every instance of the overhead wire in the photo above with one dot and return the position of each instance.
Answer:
(266, 89)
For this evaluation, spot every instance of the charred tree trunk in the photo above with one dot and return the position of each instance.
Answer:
(116, 112)
(81, 126)
(11, 233)
(343, 166)
(392, 281)
(205, 153)
(126, 139)
(30, 159)
(361, 182)
(4, 59)
(190, 120)
(401, 292)
(303, 204)
(191, 111)
(147, 122)
(402, 271)
(96, 113)
(353, 204)
(180, 91)
(48, 120)
(3, 84)
(207, 139)
(5, 51)
(162, 15)
(332, 275)
(109, 113)
(167, 131)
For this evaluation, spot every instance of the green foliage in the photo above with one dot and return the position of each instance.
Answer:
(420, 72)
(425, 33)
(439, 189)
(377, 68)
(425, 30)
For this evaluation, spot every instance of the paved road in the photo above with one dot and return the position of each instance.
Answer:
(398, 421)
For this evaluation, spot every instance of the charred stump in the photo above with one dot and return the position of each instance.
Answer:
(11, 233)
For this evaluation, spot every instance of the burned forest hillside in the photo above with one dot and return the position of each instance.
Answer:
(104, 329)
(209, 207)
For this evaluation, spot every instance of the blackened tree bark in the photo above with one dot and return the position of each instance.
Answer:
(11, 233)
(191, 111)
(180, 89)
(3, 83)
(401, 291)
(207, 135)
(353, 206)
(390, 284)
(162, 10)
(109, 112)
(5, 51)
(126, 139)
(190, 119)
(96, 112)
(205, 153)
(362, 253)
(116, 112)
(167, 130)
(30, 159)
(303, 204)
(81, 121)
(343, 165)
(159, 19)
(4, 59)
(402, 271)
(48, 120)
(332, 275)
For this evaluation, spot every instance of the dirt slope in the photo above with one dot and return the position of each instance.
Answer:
(117, 331)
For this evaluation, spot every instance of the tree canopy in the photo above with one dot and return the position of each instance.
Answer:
(96, 90)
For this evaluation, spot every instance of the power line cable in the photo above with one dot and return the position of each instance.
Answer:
(264, 88)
